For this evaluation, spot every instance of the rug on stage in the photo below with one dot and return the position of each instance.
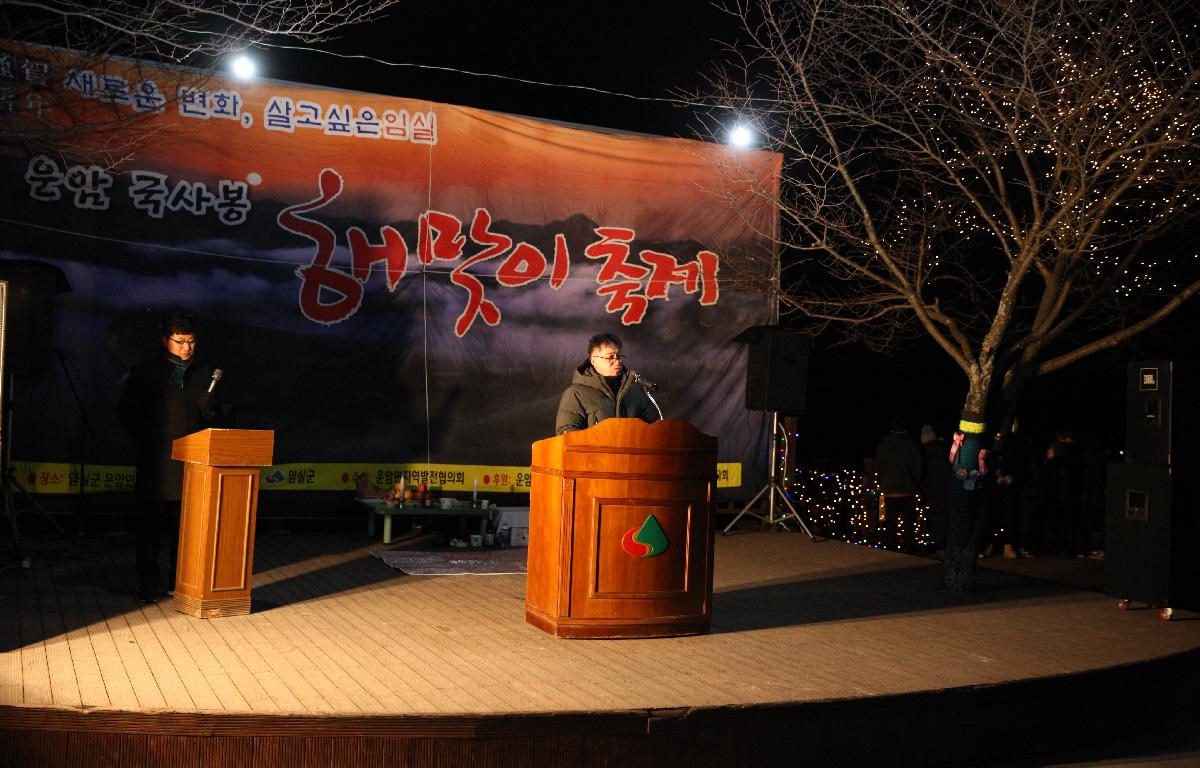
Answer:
(456, 562)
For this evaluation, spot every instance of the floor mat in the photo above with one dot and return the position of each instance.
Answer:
(456, 562)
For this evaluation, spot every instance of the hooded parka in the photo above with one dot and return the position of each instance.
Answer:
(589, 400)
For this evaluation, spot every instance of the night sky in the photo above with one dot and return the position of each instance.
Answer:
(654, 49)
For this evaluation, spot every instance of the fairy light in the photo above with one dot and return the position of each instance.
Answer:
(844, 504)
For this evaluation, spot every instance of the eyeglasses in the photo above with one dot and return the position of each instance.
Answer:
(183, 342)
(610, 358)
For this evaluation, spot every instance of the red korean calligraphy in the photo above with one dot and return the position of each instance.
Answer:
(524, 264)
(628, 282)
(493, 244)
(622, 280)
(319, 279)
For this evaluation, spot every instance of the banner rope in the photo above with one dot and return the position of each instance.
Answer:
(424, 306)
(674, 100)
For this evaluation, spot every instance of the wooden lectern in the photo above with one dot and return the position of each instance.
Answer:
(621, 531)
(216, 525)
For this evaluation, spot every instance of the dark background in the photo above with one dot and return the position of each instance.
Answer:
(654, 50)
(666, 49)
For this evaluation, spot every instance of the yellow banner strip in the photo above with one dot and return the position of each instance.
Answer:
(58, 477)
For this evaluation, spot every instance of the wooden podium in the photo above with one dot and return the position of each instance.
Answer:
(216, 525)
(621, 531)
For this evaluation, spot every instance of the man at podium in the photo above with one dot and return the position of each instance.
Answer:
(166, 396)
(603, 388)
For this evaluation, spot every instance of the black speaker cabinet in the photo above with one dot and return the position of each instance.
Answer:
(777, 369)
(1147, 535)
(1149, 412)
(32, 286)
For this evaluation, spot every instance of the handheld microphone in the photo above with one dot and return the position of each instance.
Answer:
(647, 383)
(217, 374)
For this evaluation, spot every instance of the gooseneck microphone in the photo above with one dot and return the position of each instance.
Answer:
(217, 374)
(647, 383)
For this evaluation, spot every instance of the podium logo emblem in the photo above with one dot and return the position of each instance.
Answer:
(649, 540)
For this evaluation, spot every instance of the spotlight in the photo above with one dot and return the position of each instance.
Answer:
(741, 136)
(243, 67)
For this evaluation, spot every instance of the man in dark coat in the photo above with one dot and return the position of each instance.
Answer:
(166, 397)
(601, 388)
(935, 490)
(1062, 496)
(901, 470)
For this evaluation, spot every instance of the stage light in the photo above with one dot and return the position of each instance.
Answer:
(243, 67)
(741, 136)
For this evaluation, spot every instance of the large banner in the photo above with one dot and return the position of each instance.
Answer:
(382, 280)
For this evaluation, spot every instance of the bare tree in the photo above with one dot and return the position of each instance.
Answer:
(43, 41)
(1016, 179)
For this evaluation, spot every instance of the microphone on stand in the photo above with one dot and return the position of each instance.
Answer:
(649, 385)
(217, 374)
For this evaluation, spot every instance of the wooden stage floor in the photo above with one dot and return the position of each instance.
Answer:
(335, 633)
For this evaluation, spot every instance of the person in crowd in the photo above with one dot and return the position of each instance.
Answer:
(602, 388)
(1061, 496)
(901, 471)
(935, 488)
(1031, 525)
(1010, 456)
(1095, 473)
(968, 473)
(166, 396)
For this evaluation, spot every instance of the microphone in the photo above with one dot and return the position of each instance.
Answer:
(649, 385)
(217, 374)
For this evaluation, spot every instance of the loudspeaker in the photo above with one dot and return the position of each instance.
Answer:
(1147, 534)
(32, 286)
(1149, 412)
(777, 369)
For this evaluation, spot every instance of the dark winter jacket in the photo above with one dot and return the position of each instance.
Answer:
(966, 480)
(156, 412)
(589, 401)
(936, 485)
(899, 464)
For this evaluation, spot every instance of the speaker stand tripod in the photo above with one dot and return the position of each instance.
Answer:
(772, 489)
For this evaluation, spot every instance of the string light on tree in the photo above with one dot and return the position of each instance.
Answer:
(844, 504)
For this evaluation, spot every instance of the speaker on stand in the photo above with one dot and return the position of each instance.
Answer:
(1149, 524)
(776, 381)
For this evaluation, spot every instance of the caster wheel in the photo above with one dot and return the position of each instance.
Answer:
(1123, 605)
(1165, 614)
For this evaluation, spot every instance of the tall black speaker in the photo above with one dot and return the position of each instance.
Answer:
(777, 369)
(1149, 412)
(1152, 522)
(1148, 537)
(32, 286)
